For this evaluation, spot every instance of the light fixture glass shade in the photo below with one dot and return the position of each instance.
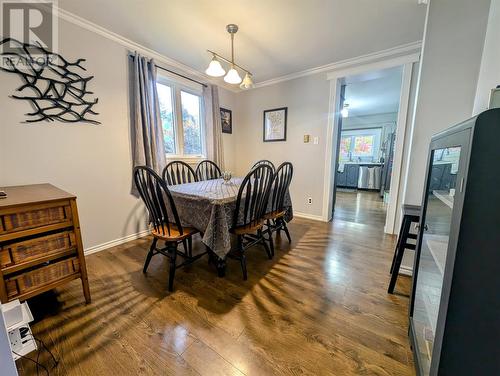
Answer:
(232, 76)
(247, 82)
(215, 69)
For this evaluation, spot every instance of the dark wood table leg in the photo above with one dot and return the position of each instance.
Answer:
(221, 267)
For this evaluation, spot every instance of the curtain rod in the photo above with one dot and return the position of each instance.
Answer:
(177, 74)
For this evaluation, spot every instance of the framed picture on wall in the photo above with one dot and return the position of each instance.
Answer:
(275, 124)
(226, 118)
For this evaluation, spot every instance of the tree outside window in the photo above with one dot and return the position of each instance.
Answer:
(181, 113)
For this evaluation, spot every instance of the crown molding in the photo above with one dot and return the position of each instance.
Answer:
(133, 46)
(412, 50)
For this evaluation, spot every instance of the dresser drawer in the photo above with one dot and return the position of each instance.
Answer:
(33, 249)
(43, 276)
(32, 217)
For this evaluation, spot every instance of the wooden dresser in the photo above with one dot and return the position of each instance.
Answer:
(40, 242)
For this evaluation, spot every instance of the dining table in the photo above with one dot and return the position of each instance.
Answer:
(209, 207)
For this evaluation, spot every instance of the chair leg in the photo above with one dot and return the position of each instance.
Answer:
(399, 255)
(243, 260)
(270, 233)
(150, 255)
(186, 248)
(171, 273)
(285, 228)
(398, 244)
(190, 246)
(260, 234)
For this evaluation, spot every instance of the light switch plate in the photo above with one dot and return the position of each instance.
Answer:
(316, 140)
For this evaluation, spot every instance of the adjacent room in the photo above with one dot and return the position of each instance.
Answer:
(277, 187)
(368, 123)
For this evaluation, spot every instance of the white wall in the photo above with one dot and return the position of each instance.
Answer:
(489, 76)
(407, 263)
(453, 45)
(91, 161)
(227, 100)
(307, 102)
(369, 121)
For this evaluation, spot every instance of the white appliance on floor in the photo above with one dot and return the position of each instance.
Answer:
(17, 317)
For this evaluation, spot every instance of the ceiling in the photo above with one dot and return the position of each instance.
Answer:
(276, 37)
(377, 92)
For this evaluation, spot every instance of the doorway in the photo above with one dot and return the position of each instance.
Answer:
(339, 91)
(369, 105)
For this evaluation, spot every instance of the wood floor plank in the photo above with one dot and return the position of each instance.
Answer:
(208, 362)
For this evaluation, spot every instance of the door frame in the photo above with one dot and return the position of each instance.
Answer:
(336, 78)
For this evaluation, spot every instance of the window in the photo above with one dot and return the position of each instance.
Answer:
(345, 147)
(181, 112)
(167, 117)
(191, 123)
(363, 146)
(360, 145)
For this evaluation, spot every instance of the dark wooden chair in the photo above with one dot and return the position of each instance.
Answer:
(178, 172)
(248, 218)
(276, 210)
(264, 162)
(165, 223)
(207, 170)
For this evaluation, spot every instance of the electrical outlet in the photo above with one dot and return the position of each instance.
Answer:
(309, 200)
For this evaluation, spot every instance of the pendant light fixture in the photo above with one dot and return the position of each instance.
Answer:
(215, 69)
(247, 82)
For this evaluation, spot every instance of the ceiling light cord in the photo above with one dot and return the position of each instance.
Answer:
(232, 50)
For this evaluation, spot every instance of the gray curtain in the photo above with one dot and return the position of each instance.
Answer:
(213, 126)
(147, 132)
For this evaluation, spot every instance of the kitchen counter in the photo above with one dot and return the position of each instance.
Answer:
(349, 175)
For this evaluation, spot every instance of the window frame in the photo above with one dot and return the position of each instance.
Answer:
(177, 86)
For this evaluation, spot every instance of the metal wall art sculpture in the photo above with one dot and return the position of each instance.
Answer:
(51, 84)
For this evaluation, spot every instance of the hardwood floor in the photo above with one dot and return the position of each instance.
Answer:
(365, 207)
(320, 307)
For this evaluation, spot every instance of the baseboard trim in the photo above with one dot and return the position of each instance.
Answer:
(114, 243)
(309, 216)
(406, 270)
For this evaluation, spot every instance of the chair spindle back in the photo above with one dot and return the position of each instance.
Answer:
(264, 162)
(178, 172)
(281, 182)
(158, 200)
(207, 170)
(253, 196)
